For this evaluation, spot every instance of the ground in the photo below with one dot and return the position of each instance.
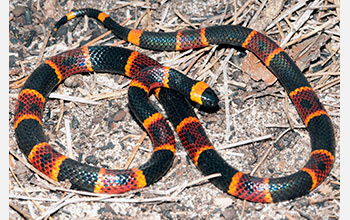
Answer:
(254, 113)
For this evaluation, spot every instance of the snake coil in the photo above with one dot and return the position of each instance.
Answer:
(147, 74)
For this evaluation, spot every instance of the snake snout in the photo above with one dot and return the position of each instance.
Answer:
(209, 98)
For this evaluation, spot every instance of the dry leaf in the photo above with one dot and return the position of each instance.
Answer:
(257, 70)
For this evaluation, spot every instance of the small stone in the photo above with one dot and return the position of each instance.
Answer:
(302, 202)
(115, 117)
(96, 120)
(258, 207)
(230, 213)
(60, 145)
(20, 169)
(91, 159)
(19, 10)
(30, 37)
(282, 143)
(13, 40)
(50, 7)
(110, 145)
(223, 202)
(27, 17)
(167, 214)
(20, 54)
(119, 116)
(12, 61)
(75, 123)
(103, 210)
(73, 81)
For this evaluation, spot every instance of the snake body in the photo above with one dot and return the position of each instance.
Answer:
(192, 135)
(33, 96)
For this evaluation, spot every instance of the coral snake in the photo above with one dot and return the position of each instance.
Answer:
(148, 74)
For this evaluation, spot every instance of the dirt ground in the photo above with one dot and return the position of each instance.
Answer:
(90, 113)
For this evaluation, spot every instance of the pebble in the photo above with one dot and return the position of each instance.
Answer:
(75, 123)
(115, 117)
(13, 40)
(302, 202)
(60, 145)
(282, 143)
(73, 81)
(110, 145)
(91, 159)
(20, 168)
(258, 207)
(12, 61)
(119, 116)
(30, 37)
(166, 213)
(19, 10)
(230, 213)
(103, 210)
(96, 120)
(223, 202)
(27, 17)
(20, 54)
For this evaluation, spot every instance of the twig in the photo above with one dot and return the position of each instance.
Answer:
(97, 38)
(286, 98)
(258, 11)
(18, 209)
(41, 54)
(273, 92)
(61, 111)
(32, 198)
(186, 185)
(197, 55)
(68, 138)
(134, 151)
(327, 24)
(286, 13)
(19, 83)
(300, 126)
(262, 138)
(322, 74)
(224, 63)
(183, 18)
(299, 23)
(227, 105)
(234, 18)
(55, 207)
(24, 190)
(328, 84)
(330, 56)
(109, 95)
(72, 98)
(268, 151)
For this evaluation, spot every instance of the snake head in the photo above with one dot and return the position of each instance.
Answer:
(202, 94)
